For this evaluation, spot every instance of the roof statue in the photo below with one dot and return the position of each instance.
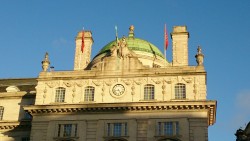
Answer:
(146, 54)
(243, 135)
(45, 62)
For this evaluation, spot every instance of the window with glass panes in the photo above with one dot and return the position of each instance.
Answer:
(149, 92)
(117, 129)
(167, 128)
(89, 93)
(67, 130)
(180, 91)
(60, 94)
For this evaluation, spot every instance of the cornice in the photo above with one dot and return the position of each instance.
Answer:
(89, 74)
(10, 125)
(209, 106)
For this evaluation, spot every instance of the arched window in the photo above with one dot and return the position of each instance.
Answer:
(1, 112)
(149, 92)
(60, 94)
(89, 93)
(180, 91)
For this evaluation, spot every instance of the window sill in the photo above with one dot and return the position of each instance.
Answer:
(87, 101)
(146, 100)
(65, 138)
(184, 99)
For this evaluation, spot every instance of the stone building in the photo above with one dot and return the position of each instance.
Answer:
(127, 92)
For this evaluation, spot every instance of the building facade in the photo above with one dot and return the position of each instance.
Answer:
(127, 92)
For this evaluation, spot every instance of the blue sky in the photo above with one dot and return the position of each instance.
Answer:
(221, 27)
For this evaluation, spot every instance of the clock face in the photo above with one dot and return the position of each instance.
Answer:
(118, 89)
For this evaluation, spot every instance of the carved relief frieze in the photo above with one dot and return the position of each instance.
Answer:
(188, 79)
(68, 83)
(52, 84)
(168, 80)
(109, 82)
(79, 83)
(44, 94)
(156, 80)
(127, 81)
(97, 82)
(163, 87)
(179, 79)
(133, 89)
(139, 81)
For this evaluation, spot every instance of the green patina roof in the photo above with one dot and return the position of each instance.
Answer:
(135, 44)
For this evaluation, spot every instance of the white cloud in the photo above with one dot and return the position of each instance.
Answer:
(61, 42)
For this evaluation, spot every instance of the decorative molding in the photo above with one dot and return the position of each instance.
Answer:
(168, 81)
(179, 79)
(209, 106)
(156, 80)
(68, 83)
(110, 82)
(52, 84)
(127, 81)
(97, 82)
(138, 81)
(188, 80)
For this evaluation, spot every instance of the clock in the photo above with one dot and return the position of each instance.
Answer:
(118, 89)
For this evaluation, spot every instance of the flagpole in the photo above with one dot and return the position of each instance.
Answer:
(165, 52)
(117, 59)
(82, 45)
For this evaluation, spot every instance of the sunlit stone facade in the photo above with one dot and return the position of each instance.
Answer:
(127, 92)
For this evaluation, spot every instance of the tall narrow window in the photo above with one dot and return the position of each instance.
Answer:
(60, 94)
(167, 128)
(117, 129)
(180, 91)
(149, 92)
(89, 93)
(67, 130)
(1, 112)
(26, 139)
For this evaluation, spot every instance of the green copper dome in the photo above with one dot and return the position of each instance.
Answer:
(134, 44)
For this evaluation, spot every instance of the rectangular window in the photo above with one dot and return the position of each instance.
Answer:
(67, 130)
(1, 112)
(89, 93)
(117, 129)
(167, 128)
(60, 94)
(149, 92)
(26, 139)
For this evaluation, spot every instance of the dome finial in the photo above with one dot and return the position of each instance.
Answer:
(132, 28)
(131, 31)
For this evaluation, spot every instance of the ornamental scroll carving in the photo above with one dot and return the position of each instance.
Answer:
(97, 82)
(156, 80)
(68, 83)
(127, 81)
(110, 82)
(52, 84)
(188, 80)
(168, 81)
(138, 81)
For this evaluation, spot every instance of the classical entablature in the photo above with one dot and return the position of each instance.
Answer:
(208, 106)
(10, 125)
